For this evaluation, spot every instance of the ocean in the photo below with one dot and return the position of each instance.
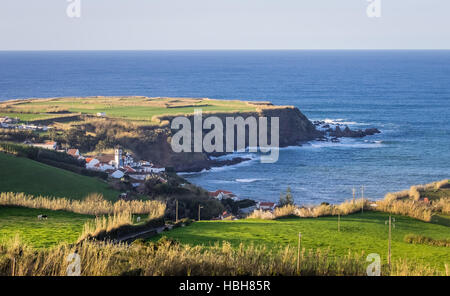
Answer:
(405, 94)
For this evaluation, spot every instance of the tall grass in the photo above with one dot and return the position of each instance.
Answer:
(169, 258)
(106, 224)
(442, 206)
(93, 204)
(414, 191)
(345, 208)
(411, 208)
(420, 239)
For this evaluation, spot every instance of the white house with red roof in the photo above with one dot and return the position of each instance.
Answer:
(51, 145)
(223, 194)
(74, 152)
(266, 206)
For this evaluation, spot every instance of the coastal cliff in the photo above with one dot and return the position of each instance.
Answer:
(294, 128)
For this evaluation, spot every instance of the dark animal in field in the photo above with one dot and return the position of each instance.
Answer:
(40, 217)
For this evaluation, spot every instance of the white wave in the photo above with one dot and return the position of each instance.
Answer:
(340, 121)
(250, 180)
(343, 144)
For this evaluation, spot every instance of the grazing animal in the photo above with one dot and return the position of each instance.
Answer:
(40, 217)
(138, 219)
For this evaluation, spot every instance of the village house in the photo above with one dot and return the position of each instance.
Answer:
(51, 145)
(266, 206)
(74, 152)
(223, 194)
(117, 174)
(91, 163)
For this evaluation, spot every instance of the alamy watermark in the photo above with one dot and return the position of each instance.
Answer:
(374, 8)
(74, 9)
(74, 267)
(213, 141)
(374, 268)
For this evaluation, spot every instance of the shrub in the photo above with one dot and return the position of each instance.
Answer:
(419, 239)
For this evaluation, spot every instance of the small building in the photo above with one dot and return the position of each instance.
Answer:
(101, 114)
(223, 194)
(74, 152)
(266, 206)
(51, 145)
(117, 174)
(91, 163)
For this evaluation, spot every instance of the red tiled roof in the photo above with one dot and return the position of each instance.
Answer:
(72, 152)
(217, 192)
(106, 158)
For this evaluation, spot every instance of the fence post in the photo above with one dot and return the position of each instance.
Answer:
(298, 252)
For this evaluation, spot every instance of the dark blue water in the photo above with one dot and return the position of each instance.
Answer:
(406, 94)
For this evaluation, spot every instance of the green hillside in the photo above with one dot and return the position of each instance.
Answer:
(19, 174)
(359, 233)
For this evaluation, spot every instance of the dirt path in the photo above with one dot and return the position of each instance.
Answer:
(142, 234)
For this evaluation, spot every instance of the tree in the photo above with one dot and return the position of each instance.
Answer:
(289, 197)
(286, 199)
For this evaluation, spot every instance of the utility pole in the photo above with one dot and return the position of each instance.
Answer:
(298, 252)
(390, 238)
(199, 207)
(176, 214)
(354, 194)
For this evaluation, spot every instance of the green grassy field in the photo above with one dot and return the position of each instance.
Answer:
(27, 116)
(132, 108)
(59, 227)
(19, 174)
(359, 233)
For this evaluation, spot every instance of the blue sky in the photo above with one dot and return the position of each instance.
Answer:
(224, 24)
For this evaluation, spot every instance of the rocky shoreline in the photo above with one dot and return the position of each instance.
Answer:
(333, 135)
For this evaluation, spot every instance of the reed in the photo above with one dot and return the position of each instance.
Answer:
(169, 258)
(93, 204)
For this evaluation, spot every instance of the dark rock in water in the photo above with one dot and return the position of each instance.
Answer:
(322, 139)
(233, 161)
(335, 140)
(326, 126)
(348, 133)
(371, 131)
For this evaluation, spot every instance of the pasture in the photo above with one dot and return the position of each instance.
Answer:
(359, 233)
(131, 108)
(59, 227)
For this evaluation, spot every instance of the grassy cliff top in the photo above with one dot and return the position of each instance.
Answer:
(131, 108)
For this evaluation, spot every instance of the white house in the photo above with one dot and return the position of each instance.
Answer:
(74, 152)
(223, 194)
(117, 174)
(152, 169)
(51, 145)
(266, 206)
(91, 163)
(101, 114)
